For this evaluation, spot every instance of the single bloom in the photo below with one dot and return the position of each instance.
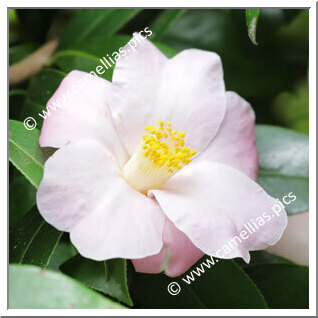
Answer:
(158, 166)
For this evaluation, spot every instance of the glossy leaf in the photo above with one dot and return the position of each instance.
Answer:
(251, 22)
(33, 241)
(108, 277)
(63, 251)
(94, 22)
(25, 153)
(31, 287)
(21, 198)
(283, 285)
(284, 164)
(224, 285)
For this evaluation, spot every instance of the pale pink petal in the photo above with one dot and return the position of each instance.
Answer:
(136, 75)
(177, 255)
(137, 68)
(187, 90)
(82, 192)
(211, 203)
(235, 143)
(82, 110)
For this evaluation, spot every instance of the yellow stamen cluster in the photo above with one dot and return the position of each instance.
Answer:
(161, 154)
(165, 147)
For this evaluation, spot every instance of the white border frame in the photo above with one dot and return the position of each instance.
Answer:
(312, 165)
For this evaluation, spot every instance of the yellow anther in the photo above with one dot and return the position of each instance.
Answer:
(170, 155)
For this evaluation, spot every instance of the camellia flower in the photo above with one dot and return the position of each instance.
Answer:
(158, 166)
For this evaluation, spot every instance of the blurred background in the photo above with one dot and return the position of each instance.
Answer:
(272, 76)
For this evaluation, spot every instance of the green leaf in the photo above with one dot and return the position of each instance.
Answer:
(99, 46)
(164, 21)
(21, 198)
(25, 153)
(108, 277)
(251, 22)
(263, 258)
(31, 287)
(16, 102)
(86, 56)
(283, 285)
(33, 241)
(41, 88)
(43, 85)
(69, 60)
(17, 92)
(19, 52)
(225, 285)
(284, 164)
(94, 22)
(63, 251)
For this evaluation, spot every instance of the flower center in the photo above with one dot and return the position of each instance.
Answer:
(160, 155)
